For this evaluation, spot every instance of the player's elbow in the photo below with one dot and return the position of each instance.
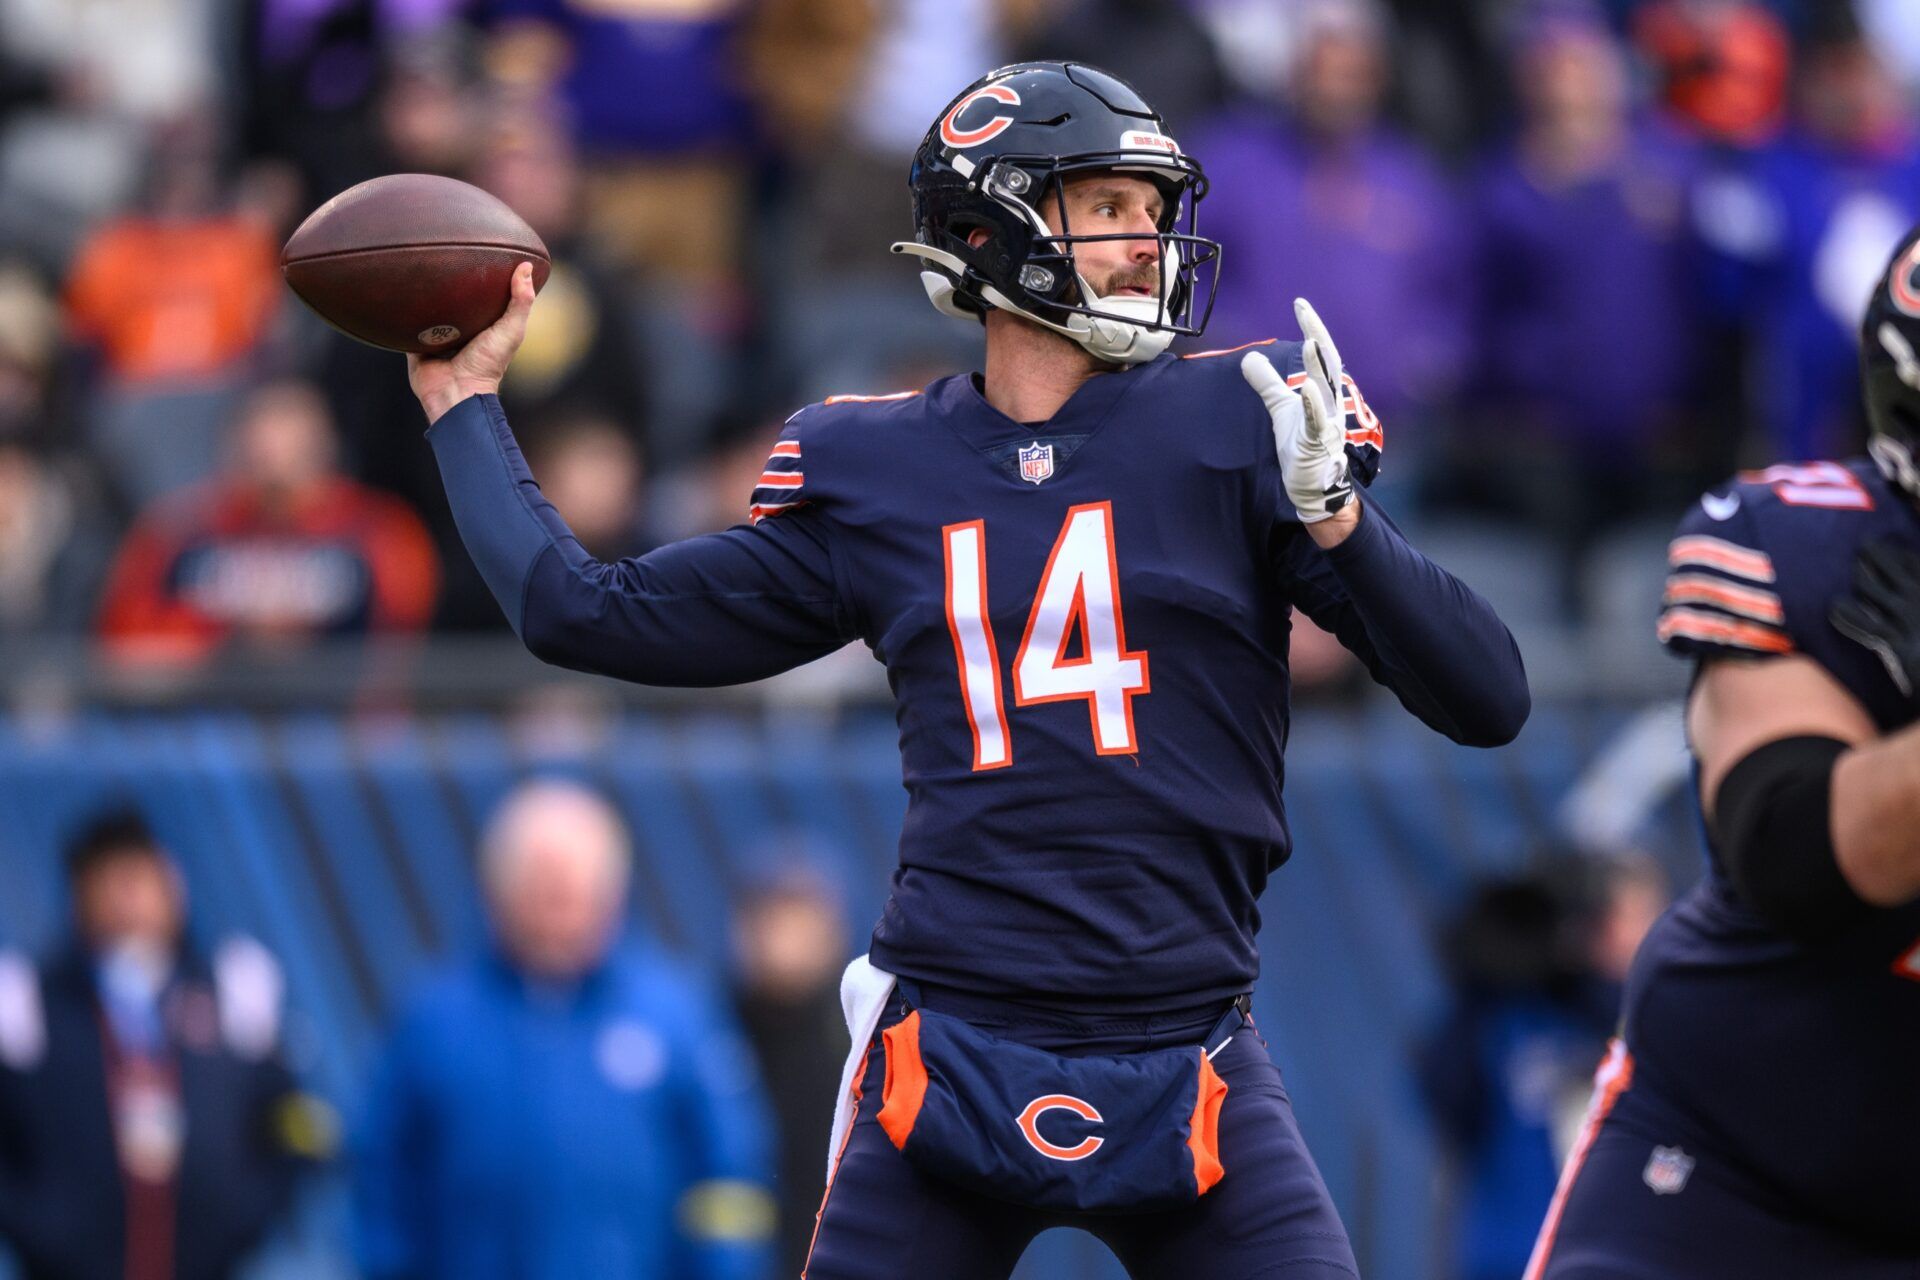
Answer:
(1494, 714)
(556, 629)
(1502, 717)
(551, 639)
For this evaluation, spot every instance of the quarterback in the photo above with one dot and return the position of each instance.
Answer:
(1078, 568)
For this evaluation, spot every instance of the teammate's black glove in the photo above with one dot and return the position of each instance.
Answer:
(1883, 612)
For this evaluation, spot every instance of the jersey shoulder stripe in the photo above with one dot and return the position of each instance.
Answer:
(1722, 594)
(1680, 624)
(1702, 551)
(1719, 593)
(782, 483)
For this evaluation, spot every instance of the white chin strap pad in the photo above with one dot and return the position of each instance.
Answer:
(1119, 330)
(1117, 333)
(1122, 341)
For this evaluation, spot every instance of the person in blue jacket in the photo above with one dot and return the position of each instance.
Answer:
(570, 1103)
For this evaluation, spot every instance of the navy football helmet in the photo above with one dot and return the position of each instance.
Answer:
(992, 161)
(1890, 368)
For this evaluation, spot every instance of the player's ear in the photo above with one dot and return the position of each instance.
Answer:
(977, 237)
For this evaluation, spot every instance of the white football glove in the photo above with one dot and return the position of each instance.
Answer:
(1309, 425)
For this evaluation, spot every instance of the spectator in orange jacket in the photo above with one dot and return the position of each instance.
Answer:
(278, 550)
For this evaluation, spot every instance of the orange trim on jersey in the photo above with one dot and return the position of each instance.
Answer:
(1613, 1078)
(781, 479)
(1203, 1130)
(1694, 625)
(1749, 602)
(1718, 553)
(906, 1083)
(786, 449)
(859, 1078)
(762, 510)
(897, 395)
(1227, 351)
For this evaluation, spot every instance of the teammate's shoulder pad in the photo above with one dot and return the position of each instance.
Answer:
(1731, 561)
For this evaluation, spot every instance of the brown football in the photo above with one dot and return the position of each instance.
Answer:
(411, 261)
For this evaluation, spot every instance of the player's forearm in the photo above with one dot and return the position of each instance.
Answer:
(1876, 818)
(709, 611)
(1442, 646)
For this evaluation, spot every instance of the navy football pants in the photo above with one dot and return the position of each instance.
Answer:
(1608, 1222)
(1269, 1217)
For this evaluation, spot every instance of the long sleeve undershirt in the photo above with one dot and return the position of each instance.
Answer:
(1420, 631)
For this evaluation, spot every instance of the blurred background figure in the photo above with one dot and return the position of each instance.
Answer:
(789, 948)
(569, 1102)
(1584, 343)
(148, 1128)
(277, 552)
(1319, 196)
(595, 477)
(172, 299)
(1846, 181)
(1536, 963)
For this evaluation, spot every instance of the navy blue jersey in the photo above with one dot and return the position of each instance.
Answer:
(1084, 625)
(1797, 1060)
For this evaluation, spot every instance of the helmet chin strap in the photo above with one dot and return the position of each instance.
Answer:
(1123, 330)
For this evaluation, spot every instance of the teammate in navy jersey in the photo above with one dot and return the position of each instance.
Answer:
(1759, 1117)
(1078, 569)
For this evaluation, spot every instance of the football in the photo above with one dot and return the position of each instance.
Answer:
(411, 261)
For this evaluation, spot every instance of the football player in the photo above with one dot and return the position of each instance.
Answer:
(1079, 569)
(1758, 1116)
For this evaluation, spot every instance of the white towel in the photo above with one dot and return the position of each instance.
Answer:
(863, 998)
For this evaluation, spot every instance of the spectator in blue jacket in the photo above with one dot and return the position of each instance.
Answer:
(149, 1129)
(569, 1103)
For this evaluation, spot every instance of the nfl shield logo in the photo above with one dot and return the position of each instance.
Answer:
(1668, 1170)
(1036, 461)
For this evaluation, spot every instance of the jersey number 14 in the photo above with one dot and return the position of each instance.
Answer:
(1077, 606)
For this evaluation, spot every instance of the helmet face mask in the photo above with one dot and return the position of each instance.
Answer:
(1000, 182)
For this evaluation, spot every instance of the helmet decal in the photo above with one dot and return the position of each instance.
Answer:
(1900, 281)
(1140, 140)
(960, 139)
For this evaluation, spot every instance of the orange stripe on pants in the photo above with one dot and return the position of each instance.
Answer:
(1609, 1082)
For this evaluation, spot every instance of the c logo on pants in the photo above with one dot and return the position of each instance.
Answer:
(1030, 1120)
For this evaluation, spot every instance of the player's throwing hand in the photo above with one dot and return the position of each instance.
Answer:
(441, 382)
(1309, 427)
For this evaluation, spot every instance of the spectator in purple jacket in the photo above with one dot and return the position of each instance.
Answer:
(1582, 266)
(1322, 200)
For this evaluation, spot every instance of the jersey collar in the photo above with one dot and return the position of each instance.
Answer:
(963, 406)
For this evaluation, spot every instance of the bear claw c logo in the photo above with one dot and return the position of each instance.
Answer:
(1030, 1126)
(954, 136)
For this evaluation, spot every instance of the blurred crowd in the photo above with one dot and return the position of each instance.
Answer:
(1585, 256)
(560, 1098)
